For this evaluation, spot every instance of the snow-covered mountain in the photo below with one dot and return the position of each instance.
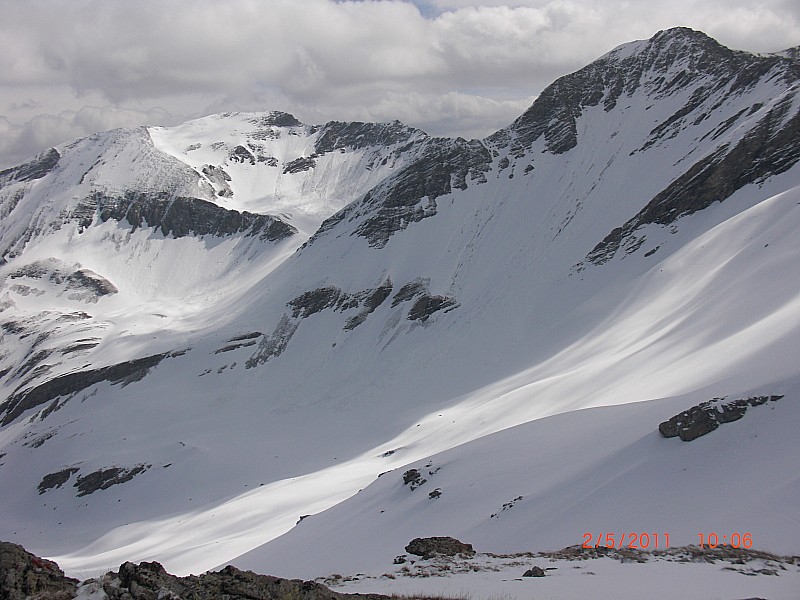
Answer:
(211, 330)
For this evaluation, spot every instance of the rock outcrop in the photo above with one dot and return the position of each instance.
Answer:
(149, 581)
(444, 546)
(181, 216)
(121, 373)
(707, 416)
(23, 576)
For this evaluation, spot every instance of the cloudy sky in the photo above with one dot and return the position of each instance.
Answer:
(451, 67)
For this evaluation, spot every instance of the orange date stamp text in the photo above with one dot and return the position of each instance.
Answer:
(632, 539)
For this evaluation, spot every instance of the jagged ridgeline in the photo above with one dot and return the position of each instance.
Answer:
(210, 330)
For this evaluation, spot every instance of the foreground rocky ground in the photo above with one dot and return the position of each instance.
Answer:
(576, 573)
(26, 576)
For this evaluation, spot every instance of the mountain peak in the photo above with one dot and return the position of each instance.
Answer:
(689, 49)
(684, 35)
(671, 61)
(676, 40)
(278, 118)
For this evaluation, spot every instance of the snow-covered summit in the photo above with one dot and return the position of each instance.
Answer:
(270, 162)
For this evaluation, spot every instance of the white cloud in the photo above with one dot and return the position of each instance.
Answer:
(440, 64)
(19, 142)
(472, 116)
(766, 25)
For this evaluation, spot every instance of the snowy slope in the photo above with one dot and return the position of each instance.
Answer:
(536, 487)
(170, 249)
(609, 469)
(630, 238)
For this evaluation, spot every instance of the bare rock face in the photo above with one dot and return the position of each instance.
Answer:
(426, 305)
(123, 373)
(180, 216)
(32, 170)
(445, 546)
(75, 282)
(104, 478)
(23, 575)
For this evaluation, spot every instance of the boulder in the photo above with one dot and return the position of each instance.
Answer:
(443, 546)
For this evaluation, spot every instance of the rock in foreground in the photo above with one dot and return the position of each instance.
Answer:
(24, 576)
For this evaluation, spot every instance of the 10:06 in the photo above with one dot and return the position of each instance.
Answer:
(734, 540)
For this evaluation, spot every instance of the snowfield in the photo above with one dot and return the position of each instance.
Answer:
(617, 576)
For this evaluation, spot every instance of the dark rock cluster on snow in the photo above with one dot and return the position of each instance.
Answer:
(333, 298)
(413, 479)
(104, 478)
(298, 165)
(314, 301)
(410, 290)
(444, 545)
(240, 341)
(373, 300)
(707, 416)
(100, 479)
(57, 479)
(240, 154)
(506, 506)
(425, 304)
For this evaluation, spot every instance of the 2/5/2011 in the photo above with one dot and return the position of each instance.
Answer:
(632, 539)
